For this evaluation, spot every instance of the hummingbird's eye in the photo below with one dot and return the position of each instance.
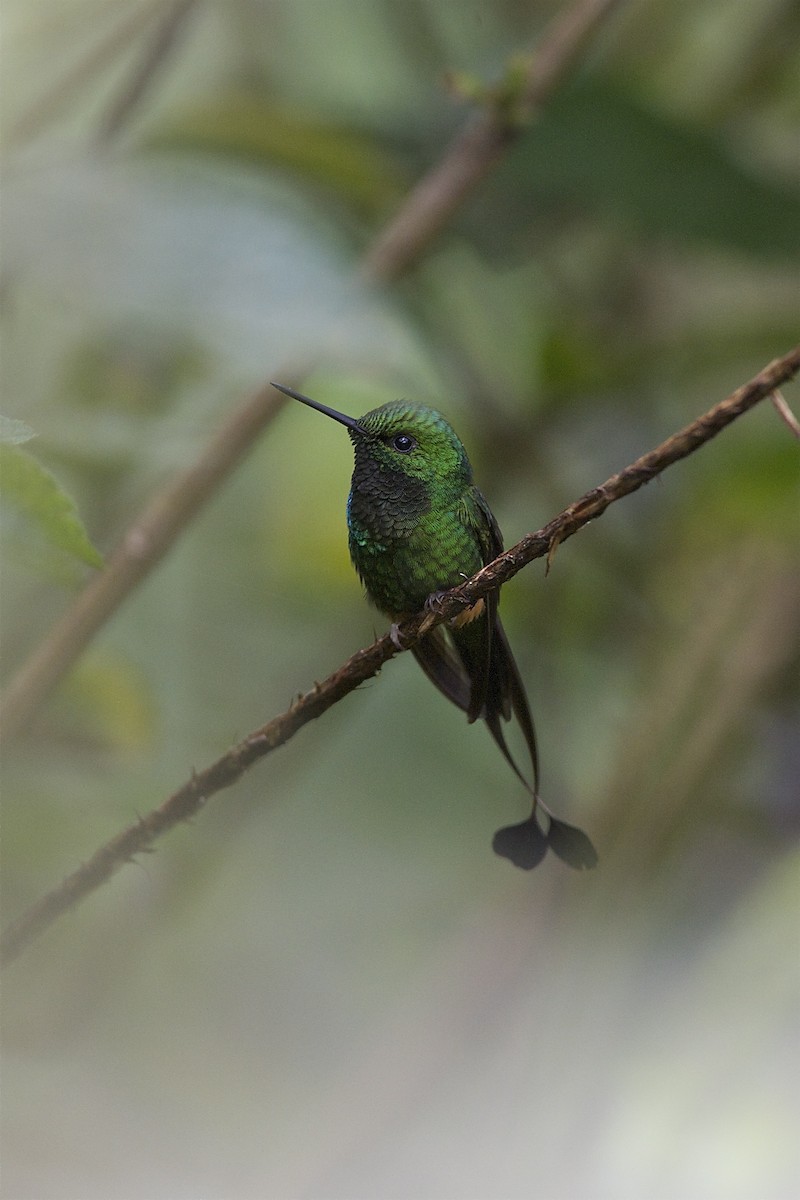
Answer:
(404, 443)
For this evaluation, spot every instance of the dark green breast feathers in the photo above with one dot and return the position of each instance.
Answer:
(417, 526)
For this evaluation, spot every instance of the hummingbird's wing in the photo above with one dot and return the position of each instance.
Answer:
(490, 695)
(458, 659)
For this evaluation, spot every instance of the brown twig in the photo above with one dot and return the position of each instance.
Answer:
(148, 539)
(189, 798)
(785, 413)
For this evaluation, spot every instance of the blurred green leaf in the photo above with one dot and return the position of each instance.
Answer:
(257, 130)
(38, 498)
(107, 702)
(132, 368)
(752, 484)
(598, 148)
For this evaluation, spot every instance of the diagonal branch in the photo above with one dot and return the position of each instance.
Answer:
(190, 798)
(396, 249)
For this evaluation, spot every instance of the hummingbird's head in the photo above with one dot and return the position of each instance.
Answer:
(402, 437)
(414, 439)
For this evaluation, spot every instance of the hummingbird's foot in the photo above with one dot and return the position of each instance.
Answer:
(433, 601)
(394, 634)
(431, 610)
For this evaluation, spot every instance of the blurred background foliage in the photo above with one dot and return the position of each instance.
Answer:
(328, 986)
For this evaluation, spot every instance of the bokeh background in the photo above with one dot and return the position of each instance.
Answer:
(327, 985)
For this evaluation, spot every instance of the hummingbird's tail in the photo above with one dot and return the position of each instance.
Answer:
(474, 667)
(526, 844)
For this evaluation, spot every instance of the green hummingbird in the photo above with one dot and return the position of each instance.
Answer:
(418, 526)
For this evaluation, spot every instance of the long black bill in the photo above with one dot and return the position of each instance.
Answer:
(342, 418)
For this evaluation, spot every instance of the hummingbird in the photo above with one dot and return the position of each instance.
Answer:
(418, 526)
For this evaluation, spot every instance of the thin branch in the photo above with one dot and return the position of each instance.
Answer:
(151, 535)
(190, 798)
(785, 413)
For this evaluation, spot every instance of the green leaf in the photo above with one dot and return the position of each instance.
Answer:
(257, 130)
(38, 497)
(599, 150)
